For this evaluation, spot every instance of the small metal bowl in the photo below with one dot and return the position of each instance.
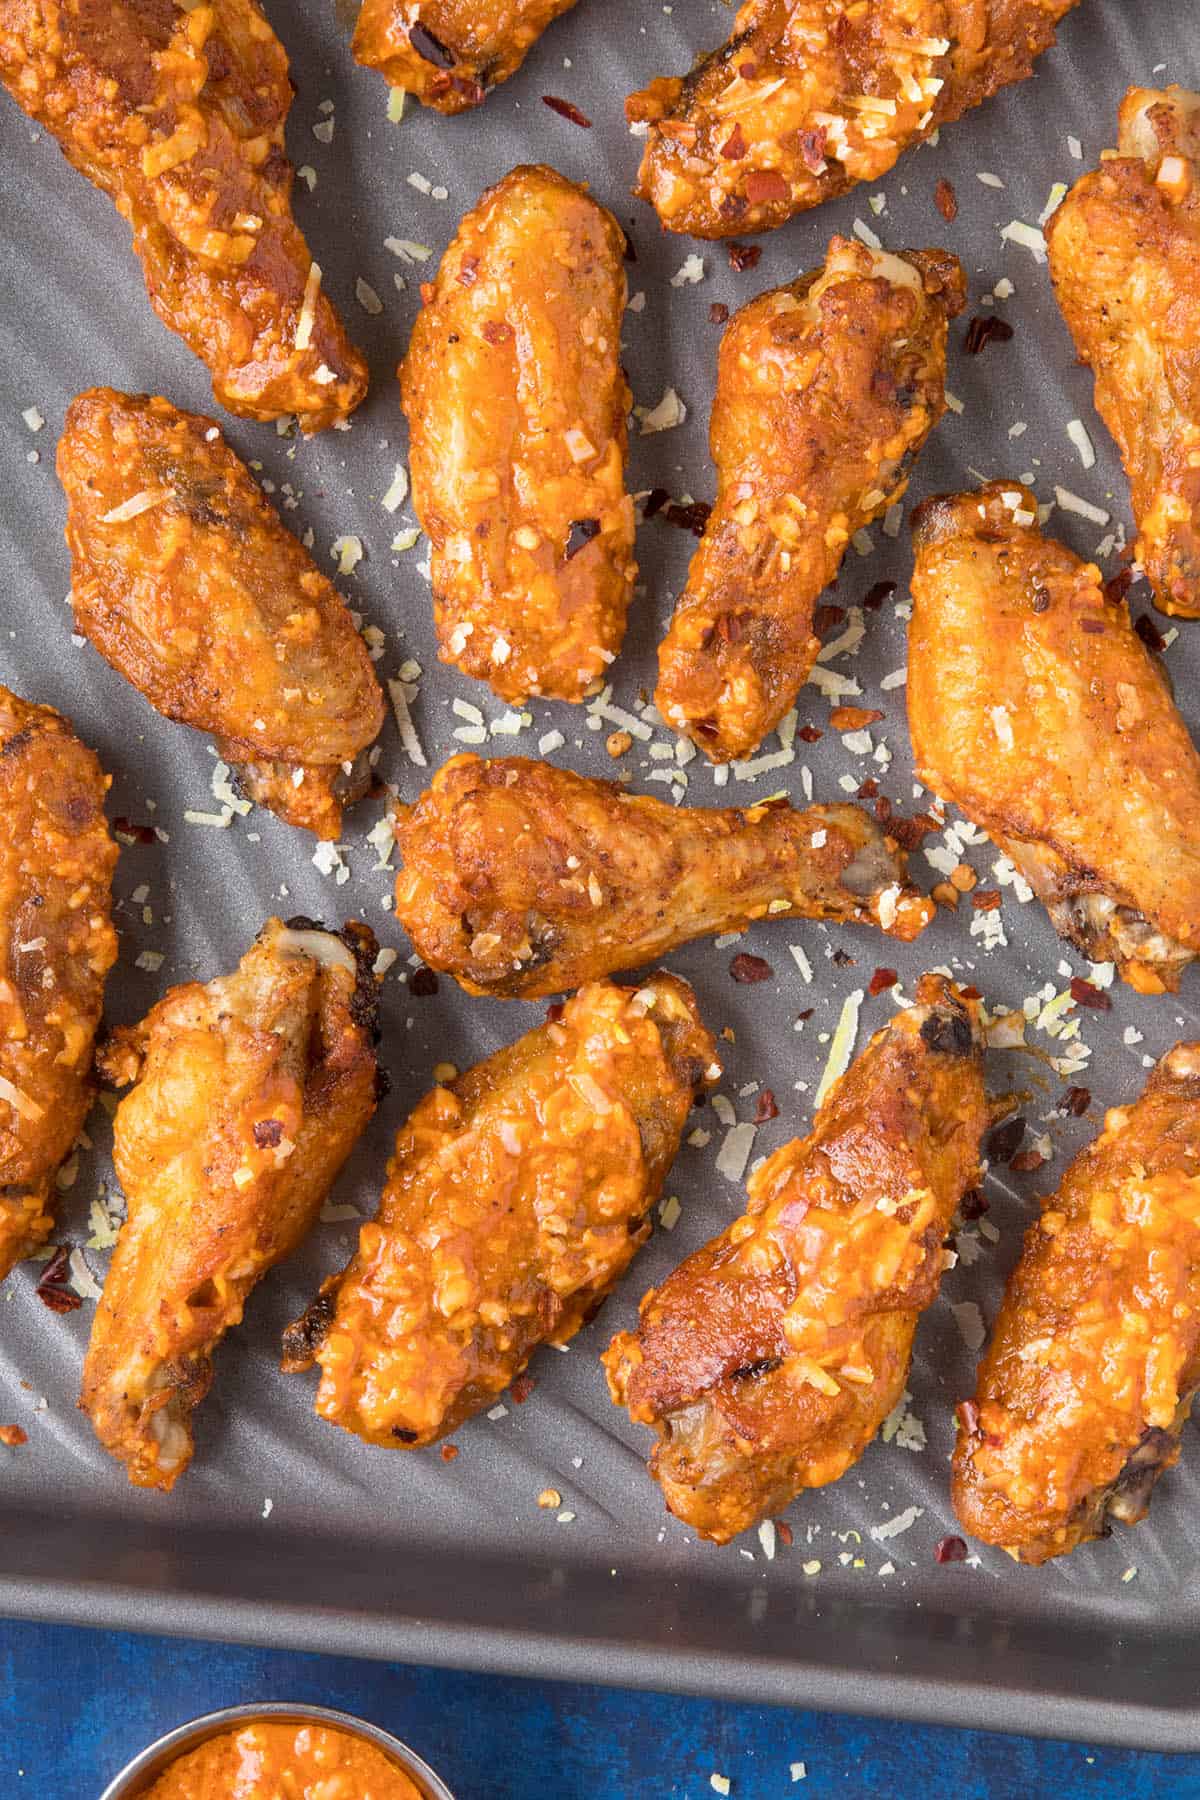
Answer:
(135, 1779)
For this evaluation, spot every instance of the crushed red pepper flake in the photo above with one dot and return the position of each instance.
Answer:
(875, 596)
(1004, 1140)
(984, 329)
(767, 1107)
(910, 833)
(967, 1414)
(522, 1387)
(565, 110)
(1093, 627)
(883, 808)
(766, 184)
(423, 983)
(745, 967)
(950, 1550)
(826, 617)
(812, 140)
(51, 1289)
(1085, 994)
(1026, 1161)
(868, 789)
(946, 200)
(1076, 1101)
(735, 145)
(810, 734)
(743, 256)
(449, 1452)
(496, 331)
(807, 1013)
(854, 718)
(974, 1204)
(783, 1532)
(718, 313)
(1149, 633)
(986, 899)
(554, 1012)
(13, 1436)
(882, 980)
(129, 832)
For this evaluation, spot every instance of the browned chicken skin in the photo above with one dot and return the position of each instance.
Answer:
(517, 1196)
(769, 1359)
(1088, 1380)
(522, 879)
(187, 583)
(1125, 262)
(177, 113)
(1036, 709)
(809, 97)
(826, 391)
(57, 945)
(450, 52)
(517, 406)
(249, 1094)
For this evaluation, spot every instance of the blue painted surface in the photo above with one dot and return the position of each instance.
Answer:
(76, 1705)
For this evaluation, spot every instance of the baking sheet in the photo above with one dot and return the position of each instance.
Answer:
(290, 1532)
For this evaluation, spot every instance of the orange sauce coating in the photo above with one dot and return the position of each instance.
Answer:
(287, 1760)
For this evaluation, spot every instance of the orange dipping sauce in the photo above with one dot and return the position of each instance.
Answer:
(284, 1759)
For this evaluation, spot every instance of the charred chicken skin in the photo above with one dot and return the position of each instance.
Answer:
(1125, 262)
(187, 583)
(521, 879)
(809, 97)
(768, 1361)
(1036, 709)
(517, 1196)
(517, 408)
(450, 52)
(57, 945)
(826, 391)
(1088, 1380)
(249, 1094)
(177, 114)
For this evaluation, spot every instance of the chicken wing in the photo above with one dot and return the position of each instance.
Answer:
(517, 1196)
(1125, 262)
(809, 97)
(517, 406)
(1085, 1387)
(1035, 707)
(826, 391)
(522, 879)
(188, 584)
(57, 945)
(250, 1093)
(450, 52)
(768, 1361)
(177, 114)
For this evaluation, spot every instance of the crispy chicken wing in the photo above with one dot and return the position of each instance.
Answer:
(177, 113)
(769, 1359)
(826, 391)
(450, 52)
(809, 97)
(1088, 1380)
(1035, 707)
(522, 879)
(1125, 262)
(517, 406)
(517, 1196)
(187, 583)
(57, 945)
(250, 1093)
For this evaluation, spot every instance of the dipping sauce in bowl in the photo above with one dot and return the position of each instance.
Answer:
(277, 1751)
(268, 1759)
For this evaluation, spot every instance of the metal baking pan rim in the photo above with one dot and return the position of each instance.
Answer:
(539, 1655)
